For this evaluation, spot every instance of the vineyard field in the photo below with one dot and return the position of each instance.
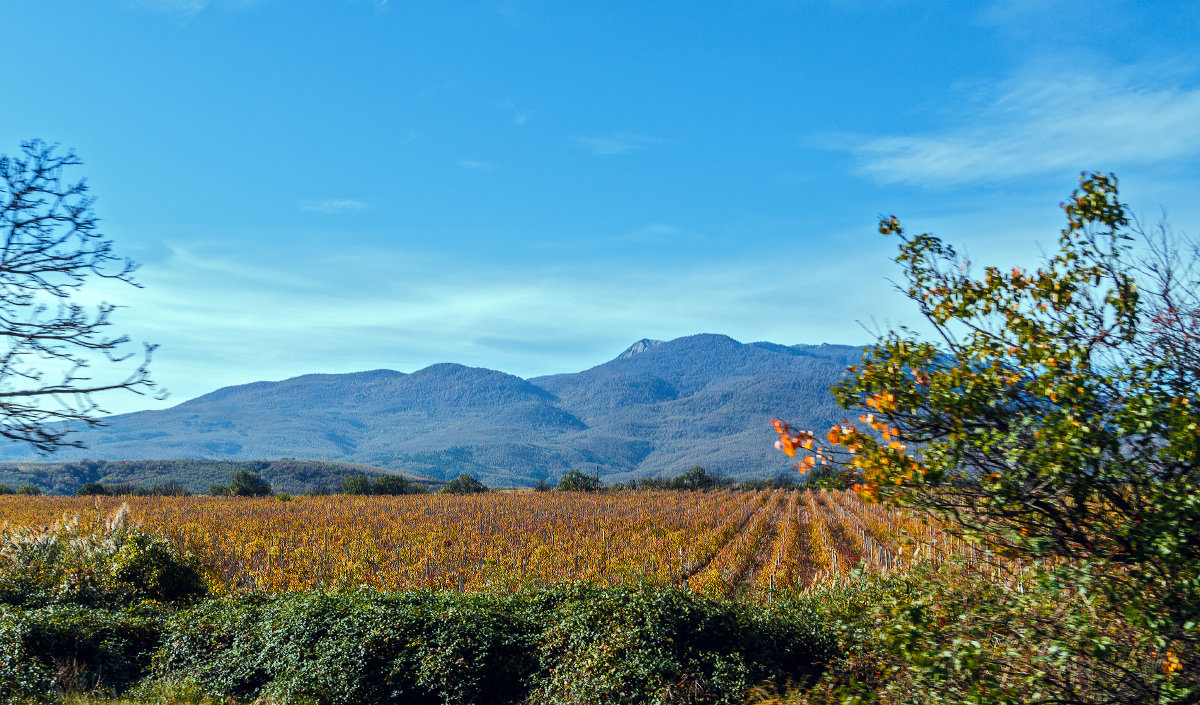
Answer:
(717, 543)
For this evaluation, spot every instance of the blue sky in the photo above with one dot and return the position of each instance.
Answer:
(332, 185)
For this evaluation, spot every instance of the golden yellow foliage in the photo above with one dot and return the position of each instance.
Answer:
(715, 542)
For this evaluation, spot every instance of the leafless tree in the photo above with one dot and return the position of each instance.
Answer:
(56, 353)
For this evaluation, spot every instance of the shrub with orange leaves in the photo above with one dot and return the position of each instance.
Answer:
(1047, 419)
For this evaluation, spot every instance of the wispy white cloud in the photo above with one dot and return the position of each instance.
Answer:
(187, 9)
(519, 117)
(475, 165)
(226, 316)
(618, 143)
(1041, 125)
(333, 205)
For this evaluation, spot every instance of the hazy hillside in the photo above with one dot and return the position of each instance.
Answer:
(659, 407)
(285, 475)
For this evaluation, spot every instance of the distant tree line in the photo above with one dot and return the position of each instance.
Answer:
(196, 476)
(27, 488)
(164, 489)
(696, 478)
(245, 483)
(248, 484)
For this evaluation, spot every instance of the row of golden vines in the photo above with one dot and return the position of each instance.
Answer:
(717, 543)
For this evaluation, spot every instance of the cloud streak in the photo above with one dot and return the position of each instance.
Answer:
(518, 116)
(1036, 126)
(618, 143)
(333, 205)
(476, 165)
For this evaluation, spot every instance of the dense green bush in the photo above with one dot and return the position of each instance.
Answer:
(962, 633)
(662, 645)
(576, 481)
(360, 484)
(696, 478)
(88, 489)
(243, 484)
(464, 484)
(113, 565)
(248, 484)
(70, 648)
(396, 484)
(563, 645)
(356, 484)
(363, 647)
(949, 633)
(81, 607)
(783, 481)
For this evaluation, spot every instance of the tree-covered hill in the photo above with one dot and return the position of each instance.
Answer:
(284, 475)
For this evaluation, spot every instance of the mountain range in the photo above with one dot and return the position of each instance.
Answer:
(658, 408)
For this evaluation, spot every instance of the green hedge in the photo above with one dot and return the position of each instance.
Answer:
(560, 645)
(668, 646)
(353, 648)
(64, 648)
(553, 646)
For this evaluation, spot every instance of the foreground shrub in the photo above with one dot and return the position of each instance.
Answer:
(662, 645)
(565, 645)
(68, 648)
(955, 634)
(81, 608)
(362, 647)
(112, 565)
(1052, 416)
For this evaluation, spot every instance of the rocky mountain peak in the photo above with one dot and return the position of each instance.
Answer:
(640, 346)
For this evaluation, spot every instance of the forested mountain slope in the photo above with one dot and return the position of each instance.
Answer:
(659, 407)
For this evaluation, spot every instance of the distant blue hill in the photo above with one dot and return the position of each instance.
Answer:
(657, 408)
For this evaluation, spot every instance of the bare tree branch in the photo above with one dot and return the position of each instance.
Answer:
(49, 343)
